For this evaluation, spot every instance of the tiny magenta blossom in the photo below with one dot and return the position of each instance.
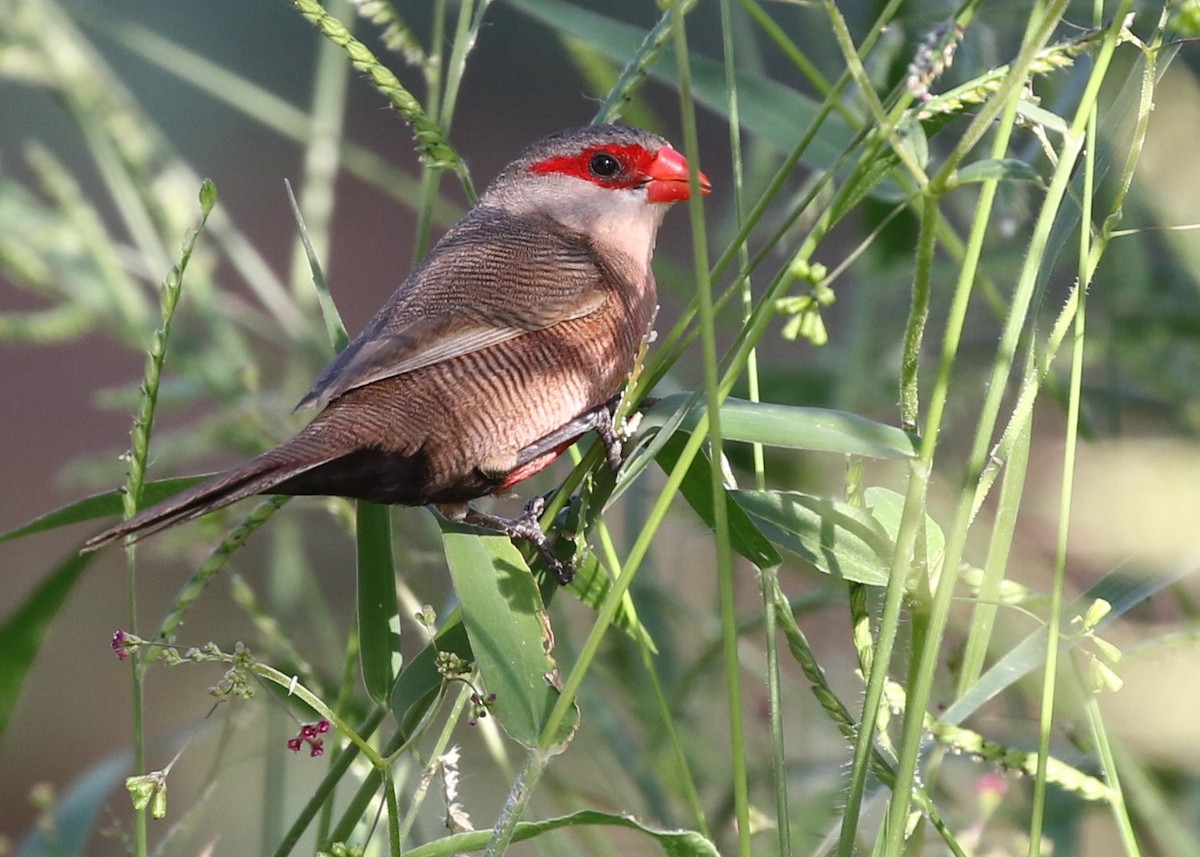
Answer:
(308, 734)
(118, 645)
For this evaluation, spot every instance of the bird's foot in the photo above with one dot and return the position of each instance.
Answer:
(611, 438)
(527, 526)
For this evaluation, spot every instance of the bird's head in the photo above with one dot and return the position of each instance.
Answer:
(610, 182)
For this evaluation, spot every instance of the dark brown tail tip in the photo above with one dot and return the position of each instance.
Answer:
(102, 539)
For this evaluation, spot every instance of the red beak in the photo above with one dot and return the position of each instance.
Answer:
(667, 178)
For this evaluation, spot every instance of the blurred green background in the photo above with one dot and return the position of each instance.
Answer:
(1138, 490)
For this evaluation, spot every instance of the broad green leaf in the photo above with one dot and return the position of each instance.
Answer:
(378, 608)
(789, 426)
(420, 684)
(103, 505)
(997, 169)
(837, 538)
(674, 843)
(887, 507)
(22, 632)
(696, 488)
(509, 631)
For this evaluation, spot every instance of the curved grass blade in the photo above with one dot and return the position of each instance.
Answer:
(75, 815)
(777, 114)
(101, 506)
(791, 427)
(674, 843)
(22, 632)
(744, 536)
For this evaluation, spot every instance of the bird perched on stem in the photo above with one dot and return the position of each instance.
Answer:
(503, 347)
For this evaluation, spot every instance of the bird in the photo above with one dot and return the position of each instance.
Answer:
(509, 342)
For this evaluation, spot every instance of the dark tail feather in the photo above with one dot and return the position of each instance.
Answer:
(254, 477)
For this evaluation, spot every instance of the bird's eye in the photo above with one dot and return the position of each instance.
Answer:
(603, 165)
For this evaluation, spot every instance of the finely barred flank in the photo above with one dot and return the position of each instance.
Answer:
(435, 150)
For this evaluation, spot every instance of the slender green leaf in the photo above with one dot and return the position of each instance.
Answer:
(998, 169)
(21, 634)
(837, 538)
(789, 426)
(674, 843)
(509, 631)
(101, 506)
(1122, 588)
(378, 607)
(591, 585)
(335, 328)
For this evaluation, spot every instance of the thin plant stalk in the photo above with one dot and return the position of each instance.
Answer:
(920, 469)
(687, 781)
(768, 575)
(1066, 488)
(321, 160)
(922, 684)
(139, 451)
(708, 339)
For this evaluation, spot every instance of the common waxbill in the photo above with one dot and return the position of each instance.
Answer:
(502, 348)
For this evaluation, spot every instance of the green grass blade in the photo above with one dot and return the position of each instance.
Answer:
(791, 427)
(22, 632)
(101, 506)
(744, 535)
(777, 114)
(420, 684)
(378, 607)
(335, 328)
(674, 843)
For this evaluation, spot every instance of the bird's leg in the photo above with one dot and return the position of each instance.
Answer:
(599, 420)
(525, 526)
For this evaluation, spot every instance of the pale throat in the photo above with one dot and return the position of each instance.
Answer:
(618, 220)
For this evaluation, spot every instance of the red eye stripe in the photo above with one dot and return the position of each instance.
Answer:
(634, 161)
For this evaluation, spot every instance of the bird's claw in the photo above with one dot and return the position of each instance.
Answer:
(528, 527)
(611, 438)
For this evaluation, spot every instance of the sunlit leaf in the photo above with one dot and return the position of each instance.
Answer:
(837, 538)
(509, 632)
(378, 608)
